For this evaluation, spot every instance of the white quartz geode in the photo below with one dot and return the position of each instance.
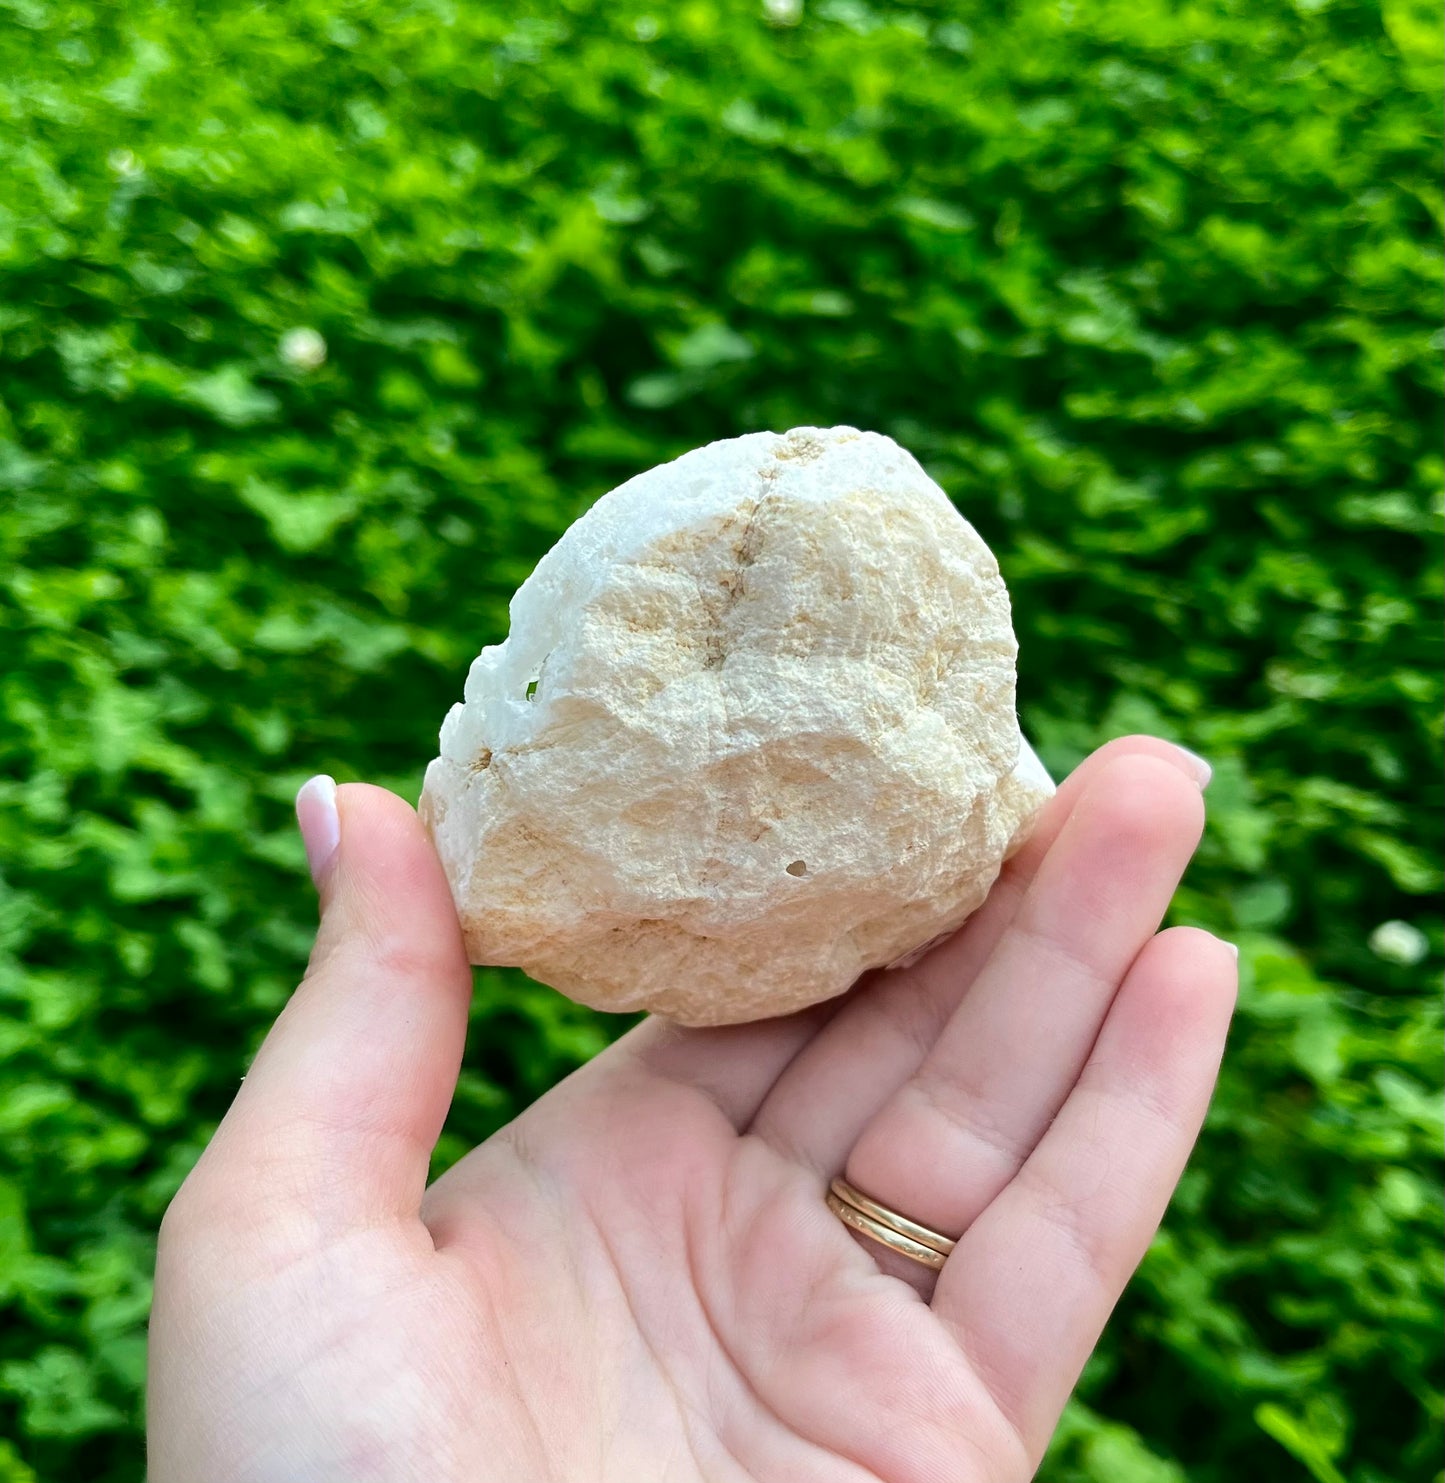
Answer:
(751, 734)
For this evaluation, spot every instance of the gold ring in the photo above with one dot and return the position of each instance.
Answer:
(850, 1194)
(866, 1216)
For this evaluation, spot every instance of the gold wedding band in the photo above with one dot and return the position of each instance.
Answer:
(866, 1216)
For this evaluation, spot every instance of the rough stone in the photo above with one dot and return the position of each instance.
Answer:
(752, 734)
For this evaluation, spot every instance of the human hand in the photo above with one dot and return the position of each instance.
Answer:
(638, 1279)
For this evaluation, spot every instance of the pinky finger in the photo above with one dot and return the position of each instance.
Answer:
(1032, 1282)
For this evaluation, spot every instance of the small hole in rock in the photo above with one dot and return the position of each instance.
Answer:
(531, 688)
(798, 867)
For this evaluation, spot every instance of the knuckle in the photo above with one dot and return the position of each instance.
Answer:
(963, 1113)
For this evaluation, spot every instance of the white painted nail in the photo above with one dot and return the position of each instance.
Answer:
(320, 823)
(1201, 769)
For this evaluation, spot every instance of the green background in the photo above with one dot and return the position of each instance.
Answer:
(1152, 288)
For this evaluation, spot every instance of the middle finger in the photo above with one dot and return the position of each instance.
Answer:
(953, 1136)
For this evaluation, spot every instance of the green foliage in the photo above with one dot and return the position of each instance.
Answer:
(1152, 288)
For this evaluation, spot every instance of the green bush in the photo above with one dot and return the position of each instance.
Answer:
(1152, 288)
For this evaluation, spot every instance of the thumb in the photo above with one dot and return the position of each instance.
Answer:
(347, 1094)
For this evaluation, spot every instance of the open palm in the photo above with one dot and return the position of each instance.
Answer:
(638, 1279)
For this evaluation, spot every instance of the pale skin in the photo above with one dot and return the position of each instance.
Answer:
(638, 1279)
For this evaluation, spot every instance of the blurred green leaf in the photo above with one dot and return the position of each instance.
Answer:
(319, 322)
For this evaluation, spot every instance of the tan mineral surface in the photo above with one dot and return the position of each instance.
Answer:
(752, 733)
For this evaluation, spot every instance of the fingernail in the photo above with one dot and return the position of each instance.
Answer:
(1232, 946)
(319, 821)
(1197, 765)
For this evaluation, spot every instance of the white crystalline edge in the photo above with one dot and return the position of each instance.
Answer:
(1030, 771)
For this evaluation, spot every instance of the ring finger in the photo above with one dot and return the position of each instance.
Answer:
(944, 1145)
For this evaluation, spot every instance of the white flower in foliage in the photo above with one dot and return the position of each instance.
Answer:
(1399, 942)
(783, 12)
(303, 349)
